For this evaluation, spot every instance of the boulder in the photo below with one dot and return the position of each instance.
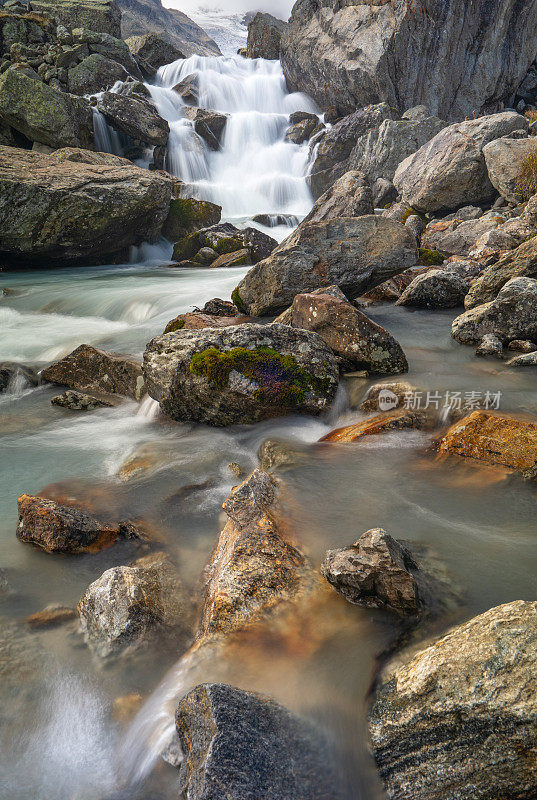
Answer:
(454, 237)
(505, 161)
(44, 114)
(358, 342)
(57, 528)
(196, 320)
(210, 125)
(103, 16)
(355, 253)
(386, 396)
(107, 46)
(383, 423)
(377, 571)
(505, 236)
(450, 170)
(88, 369)
(512, 315)
(127, 606)
(493, 438)
(152, 51)
(522, 346)
(435, 289)
(286, 317)
(519, 263)
(94, 74)
(77, 401)
(490, 347)
(15, 376)
(526, 360)
(237, 259)
(240, 375)
(134, 116)
(44, 197)
(226, 238)
(188, 215)
(349, 196)
(455, 718)
(264, 37)
(252, 746)
(302, 131)
(188, 89)
(351, 55)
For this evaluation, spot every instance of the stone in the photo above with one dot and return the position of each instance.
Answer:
(506, 236)
(386, 396)
(276, 454)
(494, 439)
(521, 262)
(504, 158)
(456, 237)
(490, 347)
(95, 74)
(241, 374)
(302, 131)
(383, 423)
(350, 196)
(435, 289)
(88, 369)
(128, 605)
(196, 320)
(210, 125)
(226, 238)
(15, 376)
(77, 401)
(286, 317)
(390, 290)
(110, 47)
(454, 719)
(522, 346)
(43, 114)
(103, 16)
(450, 170)
(264, 37)
(351, 55)
(512, 315)
(153, 51)
(355, 253)
(134, 116)
(356, 340)
(188, 215)
(237, 259)
(122, 205)
(526, 360)
(50, 617)
(220, 308)
(377, 571)
(253, 746)
(187, 89)
(206, 256)
(57, 528)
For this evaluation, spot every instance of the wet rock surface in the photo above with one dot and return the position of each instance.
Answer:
(403, 419)
(135, 117)
(512, 315)
(77, 401)
(88, 369)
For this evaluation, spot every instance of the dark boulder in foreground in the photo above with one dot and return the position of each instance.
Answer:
(459, 719)
(354, 253)
(88, 369)
(75, 206)
(253, 747)
(240, 374)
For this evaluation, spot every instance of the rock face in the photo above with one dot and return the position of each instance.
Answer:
(96, 15)
(350, 334)
(210, 125)
(88, 369)
(512, 315)
(188, 215)
(95, 74)
(126, 605)
(264, 37)
(134, 116)
(504, 158)
(355, 253)
(44, 114)
(456, 237)
(455, 720)
(349, 56)
(435, 289)
(241, 374)
(521, 262)
(252, 746)
(57, 528)
(450, 170)
(494, 439)
(152, 51)
(377, 571)
(44, 197)
(349, 196)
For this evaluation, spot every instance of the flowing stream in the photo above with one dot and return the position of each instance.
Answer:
(59, 736)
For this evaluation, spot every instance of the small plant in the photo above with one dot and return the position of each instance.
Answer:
(531, 115)
(526, 185)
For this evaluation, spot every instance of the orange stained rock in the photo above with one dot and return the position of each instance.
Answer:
(384, 423)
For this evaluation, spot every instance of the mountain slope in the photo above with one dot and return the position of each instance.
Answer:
(142, 16)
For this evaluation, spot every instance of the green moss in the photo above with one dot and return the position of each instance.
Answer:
(223, 244)
(236, 300)
(430, 258)
(186, 248)
(281, 380)
(175, 325)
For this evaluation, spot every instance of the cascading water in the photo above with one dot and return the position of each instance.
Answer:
(255, 171)
(106, 138)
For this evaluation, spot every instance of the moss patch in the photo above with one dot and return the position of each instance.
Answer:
(175, 325)
(281, 380)
(430, 258)
(237, 302)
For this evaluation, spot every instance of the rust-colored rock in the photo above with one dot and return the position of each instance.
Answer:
(494, 439)
(197, 320)
(382, 423)
(50, 617)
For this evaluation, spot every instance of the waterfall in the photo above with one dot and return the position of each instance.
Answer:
(106, 138)
(255, 171)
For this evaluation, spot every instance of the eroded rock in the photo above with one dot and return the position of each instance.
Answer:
(88, 369)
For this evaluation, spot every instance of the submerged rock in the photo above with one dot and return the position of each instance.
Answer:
(77, 401)
(512, 315)
(57, 528)
(459, 719)
(241, 374)
(355, 253)
(88, 369)
(50, 617)
(383, 423)
(252, 746)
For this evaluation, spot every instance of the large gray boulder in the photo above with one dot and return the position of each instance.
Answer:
(264, 36)
(504, 158)
(95, 74)
(349, 196)
(152, 51)
(519, 263)
(75, 206)
(435, 289)
(134, 116)
(459, 719)
(450, 170)
(253, 747)
(512, 315)
(350, 55)
(240, 374)
(354, 253)
(44, 114)
(103, 16)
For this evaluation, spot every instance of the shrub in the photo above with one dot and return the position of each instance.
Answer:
(527, 178)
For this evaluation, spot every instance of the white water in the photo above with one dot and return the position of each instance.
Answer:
(255, 171)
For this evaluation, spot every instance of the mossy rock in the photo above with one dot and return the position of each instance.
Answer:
(430, 258)
(187, 216)
(236, 300)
